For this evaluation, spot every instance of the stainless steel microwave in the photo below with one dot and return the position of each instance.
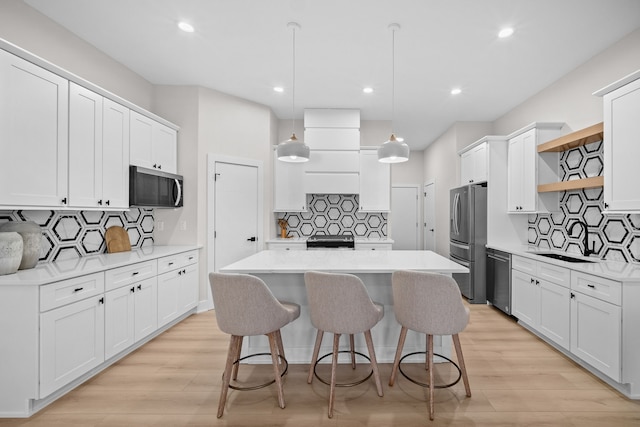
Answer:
(150, 188)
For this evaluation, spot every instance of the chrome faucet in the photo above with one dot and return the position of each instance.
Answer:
(587, 250)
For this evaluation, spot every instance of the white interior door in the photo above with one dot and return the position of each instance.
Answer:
(236, 212)
(404, 217)
(429, 210)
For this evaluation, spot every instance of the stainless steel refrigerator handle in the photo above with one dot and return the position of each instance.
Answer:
(498, 257)
(460, 261)
(456, 199)
(457, 245)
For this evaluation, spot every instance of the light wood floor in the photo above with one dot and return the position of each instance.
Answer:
(174, 380)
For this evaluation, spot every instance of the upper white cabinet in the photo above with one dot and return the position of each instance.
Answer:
(525, 167)
(288, 186)
(375, 183)
(621, 148)
(153, 145)
(98, 150)
(33, 134)
(331, 118)
(473, 164)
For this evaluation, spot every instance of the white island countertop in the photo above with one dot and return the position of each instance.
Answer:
(343, 261)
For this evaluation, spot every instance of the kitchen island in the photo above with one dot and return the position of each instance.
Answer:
(283, 272)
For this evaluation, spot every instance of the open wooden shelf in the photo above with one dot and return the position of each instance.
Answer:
(576, 184)
(575, 139)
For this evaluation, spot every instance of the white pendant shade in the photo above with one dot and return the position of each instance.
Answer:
(293, 150)
(393, 151)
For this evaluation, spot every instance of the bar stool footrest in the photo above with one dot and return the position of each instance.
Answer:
(421, 384)
(355, 383)
(259, 386)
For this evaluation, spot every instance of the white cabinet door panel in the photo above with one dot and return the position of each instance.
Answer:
(288, 186)
(332, 138)
(555, 316)
(119, 320)
(331, 118)
(32, 95)
(525, 298)
(165, 148)
(115, 155)
(375, 183)
(168, 297)
(333, 161)
(146, 308)
(332, 183)
(71, 343)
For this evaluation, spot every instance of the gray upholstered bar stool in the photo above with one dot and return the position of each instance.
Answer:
(340, 304)
(431, 304)
(245, 306)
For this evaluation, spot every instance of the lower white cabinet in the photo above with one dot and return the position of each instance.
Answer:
(595, 333)
(373, 246)
(71, 342)
(284, 245)
(540, 303)
(130, 315)
(177, 286)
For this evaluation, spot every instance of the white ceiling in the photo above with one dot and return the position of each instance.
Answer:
(244, 48)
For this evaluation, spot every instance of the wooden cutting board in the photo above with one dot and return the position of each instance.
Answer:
(117, 240)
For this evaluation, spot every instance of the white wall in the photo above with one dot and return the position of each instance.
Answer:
(27, 28)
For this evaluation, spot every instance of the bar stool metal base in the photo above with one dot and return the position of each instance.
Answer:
(425, 384)
(259, 386)
(342, 384)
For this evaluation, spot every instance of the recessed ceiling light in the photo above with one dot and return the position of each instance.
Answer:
(278, 89)
(186, 27)
(505, 32)
(368, 90)
(456, 91)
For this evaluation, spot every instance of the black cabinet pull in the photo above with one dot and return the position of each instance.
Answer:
(155, 166)
(591, 286)
(573, 296)
(100, 202)
(107, 203)
(184, 271)
(139, 287)
(135, 273)
(532, 280)
(77, 289)
(64, 201)
(170, 264)
(101, 300)
(133, 289)
(251, 239)
(537, 282)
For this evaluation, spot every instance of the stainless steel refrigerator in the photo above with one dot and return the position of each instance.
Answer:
(468, 237)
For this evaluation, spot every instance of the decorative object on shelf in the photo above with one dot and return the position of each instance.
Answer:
(293, 150)
(283, 224)
(394, 150)
(10, 252)
(31, 241)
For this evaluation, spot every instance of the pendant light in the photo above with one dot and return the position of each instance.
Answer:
(393, 151)
(293, 150)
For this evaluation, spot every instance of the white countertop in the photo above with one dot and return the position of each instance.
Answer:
(343, 261)
(614, 270)
(44, 273)
(356, 239)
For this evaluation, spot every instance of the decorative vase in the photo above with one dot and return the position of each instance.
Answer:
(31, 241)
(10, 252)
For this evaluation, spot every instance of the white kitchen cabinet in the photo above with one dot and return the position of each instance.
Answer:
(525, 168)
(288, 186)
(540, 298)
(153, 145)
(71, 342)
(375, 183)
(621, 148)
(332, 138)
(373, 246)
(287, 245)
(332, 172)
(473, 165)
(130, 315)
(331, 118)
(332, 183)
(178, 289)
(33, 134)
(595, 333)
(115, 155)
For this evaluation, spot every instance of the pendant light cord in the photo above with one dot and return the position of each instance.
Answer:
(393, 78)
(293, 89)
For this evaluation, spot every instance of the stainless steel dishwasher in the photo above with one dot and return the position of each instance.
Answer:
(499, 279)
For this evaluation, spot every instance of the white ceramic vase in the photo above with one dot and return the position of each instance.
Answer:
(31, 241)
(10, 252)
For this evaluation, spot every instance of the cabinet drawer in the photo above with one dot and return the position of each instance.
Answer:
(597, 287)
(334, 161)
(523, 264)
(176, 261)
(373, 246)
(332, 139)
(277, 246)
(72, 290)
(129, 274)
(555, 274)
(332, 183)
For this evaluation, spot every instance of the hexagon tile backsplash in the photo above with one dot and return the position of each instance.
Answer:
(335, 214)
(613, 237)
(74, 234)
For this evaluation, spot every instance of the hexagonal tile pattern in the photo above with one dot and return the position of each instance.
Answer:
(593, 167)
(574, 203)
(544, 226)
(134, 236)
(42, 218)
(634, 248)
(147, 224)
(67, 228)
(92, 242)
(336, 214)
(93, 217)
(614, 231)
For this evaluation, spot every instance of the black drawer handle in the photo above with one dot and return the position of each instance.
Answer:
(77, 289)
(135, 273)
(591, 286)
(170, 264)
(139, 287)
(133, 289)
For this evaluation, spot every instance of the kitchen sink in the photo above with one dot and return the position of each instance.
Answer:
(563, 257)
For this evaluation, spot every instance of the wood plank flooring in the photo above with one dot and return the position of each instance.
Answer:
(516, 380)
